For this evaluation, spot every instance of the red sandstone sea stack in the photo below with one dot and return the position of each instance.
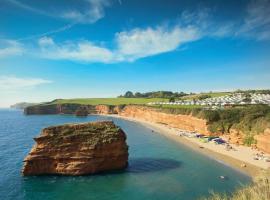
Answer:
(78, 149)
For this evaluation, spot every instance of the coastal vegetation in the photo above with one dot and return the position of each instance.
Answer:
(258, 190)
(251, 120)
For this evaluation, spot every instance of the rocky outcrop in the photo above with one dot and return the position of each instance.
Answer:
(185, 122)
(78, 149)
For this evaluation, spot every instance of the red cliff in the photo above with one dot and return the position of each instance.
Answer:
(185, 122)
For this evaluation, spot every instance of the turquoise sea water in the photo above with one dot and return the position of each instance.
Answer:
(158, 167)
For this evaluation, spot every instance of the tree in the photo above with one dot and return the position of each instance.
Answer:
(204, 96)
(138, 94)
(247, 100)
(172, 99)
(154, 94)
(247, 95)
(128, 94)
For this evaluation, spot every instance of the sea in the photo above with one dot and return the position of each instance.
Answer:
(159, 168)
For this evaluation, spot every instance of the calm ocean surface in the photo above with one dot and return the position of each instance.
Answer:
(158, 167)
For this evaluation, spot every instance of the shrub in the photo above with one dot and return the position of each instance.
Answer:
(204, 96)
(259, 190)
(249, 140)
(211, 116)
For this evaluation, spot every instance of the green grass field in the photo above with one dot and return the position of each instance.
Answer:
(108, 101)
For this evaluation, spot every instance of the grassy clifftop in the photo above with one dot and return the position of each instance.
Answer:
(107, 101)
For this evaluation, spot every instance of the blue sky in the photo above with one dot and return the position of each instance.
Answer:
(102, 48)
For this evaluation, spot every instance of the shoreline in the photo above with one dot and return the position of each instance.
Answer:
(233, 159)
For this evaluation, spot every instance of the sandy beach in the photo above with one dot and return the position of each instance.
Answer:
(240, 158)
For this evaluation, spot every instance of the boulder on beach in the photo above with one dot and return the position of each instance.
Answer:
(78, 149)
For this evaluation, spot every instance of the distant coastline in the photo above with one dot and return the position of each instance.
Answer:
(22, 105)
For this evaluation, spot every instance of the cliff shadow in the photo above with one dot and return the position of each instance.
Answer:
(145, 165)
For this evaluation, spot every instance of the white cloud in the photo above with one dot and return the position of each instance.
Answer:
(93, 12)
(10, 48)
(84, 51)
(139, 43)
(130, 45)
(45, 41)
(12, 83)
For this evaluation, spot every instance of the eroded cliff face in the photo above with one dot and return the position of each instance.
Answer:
(53, 109)
(68, 108)
(263, 140)
(185, 122)
(235, 136)
(78, 149)
(105, 109)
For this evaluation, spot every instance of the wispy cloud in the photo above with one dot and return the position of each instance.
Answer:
(10, 48)
(254, 24)
(30, 8)
(257, 21)
(48, 33)
(130, 45)
(12, 83)
(89, 12)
